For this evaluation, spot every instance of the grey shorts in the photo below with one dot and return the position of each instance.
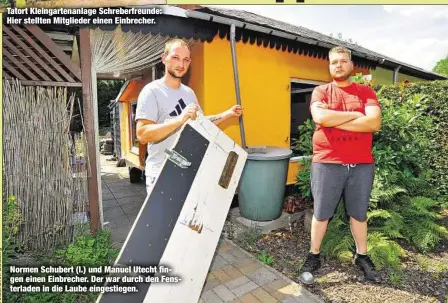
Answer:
(331, 182)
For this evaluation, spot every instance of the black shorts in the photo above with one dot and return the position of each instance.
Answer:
(331, 182)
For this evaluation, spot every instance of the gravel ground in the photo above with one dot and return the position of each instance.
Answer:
(425, 276)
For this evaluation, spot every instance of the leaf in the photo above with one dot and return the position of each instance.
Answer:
(379, 213)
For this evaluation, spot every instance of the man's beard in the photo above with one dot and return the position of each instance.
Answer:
(342, 78)
(172, 73)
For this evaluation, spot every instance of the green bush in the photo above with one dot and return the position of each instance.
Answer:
(420, 229)
(436, 99)
(304, 177)
(303, 145)
(89, 250)
(402, 150)
(107, 90)
(265, 258)
(4, 3)
(10, 224)
(86, 249)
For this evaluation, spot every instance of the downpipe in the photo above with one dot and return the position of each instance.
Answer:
(396, 74)
(237, 83)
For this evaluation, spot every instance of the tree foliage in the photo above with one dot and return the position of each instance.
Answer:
(441, 66)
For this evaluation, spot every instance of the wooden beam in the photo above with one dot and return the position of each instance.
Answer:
(15, 72)
(109, 77)
(25, 59)
(55, 50)
(49, 83)
(31, 53)
(88, 3)
(121, 76)
(60, 36)
(89, 124)
(20, 65)
(66, 48)
(6, 75)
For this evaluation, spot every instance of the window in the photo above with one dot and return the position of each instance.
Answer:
(133, 124)
(301, 91)
(300, 103)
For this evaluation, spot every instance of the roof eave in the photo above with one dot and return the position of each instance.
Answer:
(379, 61)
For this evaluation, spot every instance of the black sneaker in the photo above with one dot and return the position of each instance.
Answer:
(312, 263)
(366, 265)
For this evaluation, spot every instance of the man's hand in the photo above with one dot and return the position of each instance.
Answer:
(331, 118)
(189, 112)
(148, 131)
(235, 111)
(369, 123)
(322, 105)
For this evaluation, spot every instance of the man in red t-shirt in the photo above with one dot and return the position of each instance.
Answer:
(346, 114)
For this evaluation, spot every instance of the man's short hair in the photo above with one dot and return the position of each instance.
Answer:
(170, 43)
(341, 49)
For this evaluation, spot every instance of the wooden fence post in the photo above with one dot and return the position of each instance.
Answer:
(89, 124)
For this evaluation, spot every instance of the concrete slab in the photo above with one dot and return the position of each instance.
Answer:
(131, 210)
(265, 227)
(111, 202)
(113, 212)
(107, 195)
(135, 201)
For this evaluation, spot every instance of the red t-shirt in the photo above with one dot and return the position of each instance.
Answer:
(332, 145)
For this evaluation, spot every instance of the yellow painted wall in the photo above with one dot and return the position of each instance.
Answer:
(125, 135)
(293, 170)
(264, 76)
(124, 128)
(196, 72)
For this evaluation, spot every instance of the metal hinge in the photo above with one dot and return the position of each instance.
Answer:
(177, 158)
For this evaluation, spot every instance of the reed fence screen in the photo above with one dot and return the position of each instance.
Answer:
(44, 164)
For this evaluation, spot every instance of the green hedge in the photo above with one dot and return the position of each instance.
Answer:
(436, 93)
